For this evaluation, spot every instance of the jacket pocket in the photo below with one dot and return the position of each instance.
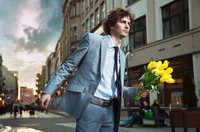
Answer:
(76, 88)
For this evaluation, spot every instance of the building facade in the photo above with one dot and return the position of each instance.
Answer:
(1, 74)
(165, 30)
(27, 95)
(10, 88)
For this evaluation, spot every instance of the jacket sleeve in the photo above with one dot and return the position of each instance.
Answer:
(66, 69)
(129, 93)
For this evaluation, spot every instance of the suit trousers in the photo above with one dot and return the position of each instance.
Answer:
(96, 118)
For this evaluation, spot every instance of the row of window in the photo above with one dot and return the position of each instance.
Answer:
(90, 22)
(94, 19)
(175, 20)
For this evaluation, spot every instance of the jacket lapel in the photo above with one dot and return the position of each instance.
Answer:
(104, 46)
(122, 64)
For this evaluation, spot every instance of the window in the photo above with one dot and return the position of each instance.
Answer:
(130, 1)
(114, 3)
(175, 18)
(74, 10)
(86, 4)
(83, 5)
(102, 8)
(91, 4)
(83, 28)
(87, 25)
(137, 34)
(74, 34)
(96, 16)
(92, 21)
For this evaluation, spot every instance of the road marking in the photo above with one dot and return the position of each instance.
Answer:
(72, 125)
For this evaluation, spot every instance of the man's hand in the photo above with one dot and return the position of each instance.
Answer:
(44, 100)
(143, 93)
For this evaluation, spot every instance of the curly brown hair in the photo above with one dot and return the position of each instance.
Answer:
(115, 15)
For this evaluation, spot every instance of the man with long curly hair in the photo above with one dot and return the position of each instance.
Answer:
(94, 94)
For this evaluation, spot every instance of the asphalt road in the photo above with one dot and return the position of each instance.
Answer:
(57, 122)
(41, 122)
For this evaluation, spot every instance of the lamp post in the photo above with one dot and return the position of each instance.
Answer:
(127, 52)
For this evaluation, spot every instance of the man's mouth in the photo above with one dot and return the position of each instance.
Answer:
(126, 31)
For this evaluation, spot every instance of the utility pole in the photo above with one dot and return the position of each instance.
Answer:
(127, 52)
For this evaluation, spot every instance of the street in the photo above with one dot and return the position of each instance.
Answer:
(41, 122)
(56, 121)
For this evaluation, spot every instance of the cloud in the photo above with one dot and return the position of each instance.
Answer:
(41, 30)
(29, 31)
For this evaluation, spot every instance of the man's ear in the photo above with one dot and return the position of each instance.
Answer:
(111, 27)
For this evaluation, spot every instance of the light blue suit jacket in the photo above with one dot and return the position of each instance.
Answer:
(89, 58)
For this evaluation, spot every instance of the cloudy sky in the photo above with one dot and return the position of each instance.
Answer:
(29, 31)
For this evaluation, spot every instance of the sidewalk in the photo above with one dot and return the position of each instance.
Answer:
(147, 127)
(1, 126)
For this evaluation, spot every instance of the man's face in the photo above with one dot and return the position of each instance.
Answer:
(121, 28)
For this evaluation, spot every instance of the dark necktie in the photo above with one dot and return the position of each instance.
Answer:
(117, 82)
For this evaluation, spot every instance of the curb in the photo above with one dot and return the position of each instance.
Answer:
(1, 127)
(59, 113)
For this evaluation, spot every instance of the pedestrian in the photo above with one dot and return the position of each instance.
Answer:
(94, 95)
(136, 116)
(162, 112)
(11, 107)
(32, 109)
(21, 107)
(15, 109)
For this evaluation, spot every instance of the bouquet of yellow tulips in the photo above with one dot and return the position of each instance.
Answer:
(155, 73)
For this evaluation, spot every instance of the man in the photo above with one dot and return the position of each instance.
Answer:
(21, 107)
(92, 96)
(161, 111)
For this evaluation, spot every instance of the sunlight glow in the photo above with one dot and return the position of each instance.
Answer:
(28, 16)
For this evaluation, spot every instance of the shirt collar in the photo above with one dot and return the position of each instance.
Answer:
(111, 44)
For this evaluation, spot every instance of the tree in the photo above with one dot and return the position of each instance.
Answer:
(189, 97)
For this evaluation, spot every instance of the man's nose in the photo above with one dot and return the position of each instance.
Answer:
(127, 26)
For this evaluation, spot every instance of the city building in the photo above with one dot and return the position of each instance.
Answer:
(27, 95)
(40, 80)
(165, 30)
(10, 89)
(1, 74)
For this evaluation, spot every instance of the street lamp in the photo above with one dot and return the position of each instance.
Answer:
(127, 52)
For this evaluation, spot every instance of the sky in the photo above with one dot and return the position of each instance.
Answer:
(29, 31)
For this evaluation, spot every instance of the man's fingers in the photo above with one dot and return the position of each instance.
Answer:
(144, 93)
(41, 103)
(44, 101)
(46, 104)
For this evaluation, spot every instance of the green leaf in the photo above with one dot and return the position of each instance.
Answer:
(142, 77)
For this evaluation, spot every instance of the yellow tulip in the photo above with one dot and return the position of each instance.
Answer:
(162, 73)
(156, 72)
(162, 67)
(158, 64)
(151, 65)
(170, 81)
(166, 63)
(165, 77)
(169, 70)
